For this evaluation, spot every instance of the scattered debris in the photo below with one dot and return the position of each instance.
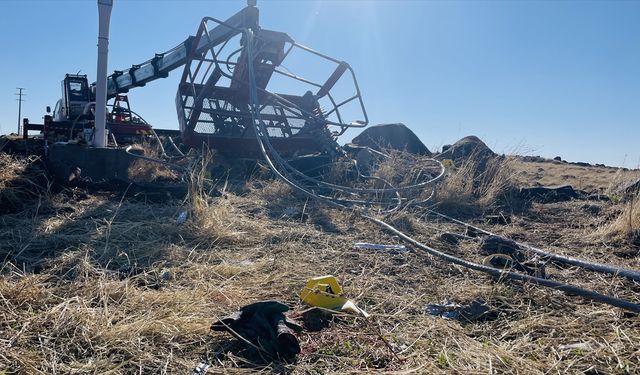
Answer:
(476, 311)
(182, 217)
(264, 327)
(325, 292)
(201, 368)
(374, 246)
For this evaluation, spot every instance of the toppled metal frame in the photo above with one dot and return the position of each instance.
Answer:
(213, 100)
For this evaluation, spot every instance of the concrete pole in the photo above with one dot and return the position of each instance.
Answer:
(104, 16)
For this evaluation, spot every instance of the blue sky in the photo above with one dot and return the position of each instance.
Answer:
(540, 78)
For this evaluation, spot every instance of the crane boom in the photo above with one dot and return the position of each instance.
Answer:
(121, 81)
(213, 99)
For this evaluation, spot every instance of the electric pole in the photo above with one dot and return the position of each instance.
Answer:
(104, 17)
(20, 100)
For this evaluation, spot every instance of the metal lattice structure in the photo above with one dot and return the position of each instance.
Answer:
(213, 96)
(212, 101)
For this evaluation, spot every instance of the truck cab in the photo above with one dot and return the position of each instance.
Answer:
(73, 117)
(76, 94)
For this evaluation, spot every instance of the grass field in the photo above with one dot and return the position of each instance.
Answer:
(97, 283)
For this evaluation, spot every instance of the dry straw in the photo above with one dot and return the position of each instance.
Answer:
(98, 283)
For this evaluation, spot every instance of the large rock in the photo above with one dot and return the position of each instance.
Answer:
(631, 190)
(551, 194)
(391, 136)
(467, 147)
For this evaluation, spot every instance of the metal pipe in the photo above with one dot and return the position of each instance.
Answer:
(104, 16)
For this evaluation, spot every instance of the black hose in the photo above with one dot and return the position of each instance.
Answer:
(597, 267)
(567, 288)
(286, 176)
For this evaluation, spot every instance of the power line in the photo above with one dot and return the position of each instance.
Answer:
(20, 100)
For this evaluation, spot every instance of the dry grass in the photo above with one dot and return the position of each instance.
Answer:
(102, 284)
(626, 226)
(592, 179)
(478, 186)
(21, 180)
(142, 171)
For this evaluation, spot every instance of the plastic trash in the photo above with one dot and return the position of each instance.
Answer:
(326, 292)
(182, 217)
(375, 246)
(474, 311)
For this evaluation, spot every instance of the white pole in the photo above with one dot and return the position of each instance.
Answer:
(104, 16)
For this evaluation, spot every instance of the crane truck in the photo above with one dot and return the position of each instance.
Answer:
(73, 116)
(213, 97)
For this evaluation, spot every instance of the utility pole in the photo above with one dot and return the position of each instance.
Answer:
(20, 100)
(104, 16)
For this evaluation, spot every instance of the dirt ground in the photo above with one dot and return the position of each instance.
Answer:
(589, 178)
(95, 282)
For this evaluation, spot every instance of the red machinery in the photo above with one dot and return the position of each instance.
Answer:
(73, 116)
(213, 98)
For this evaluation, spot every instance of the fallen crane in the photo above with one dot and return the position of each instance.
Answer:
(212, 99)
(213, 102)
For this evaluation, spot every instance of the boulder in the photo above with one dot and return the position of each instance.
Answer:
(631, 190)
(500, 245)
(551, 194)
(466, 148)
(391, 136)
(469, 148)
(534, 159)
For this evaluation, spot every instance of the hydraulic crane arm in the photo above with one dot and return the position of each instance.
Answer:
(121, 81)
(228, 65)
